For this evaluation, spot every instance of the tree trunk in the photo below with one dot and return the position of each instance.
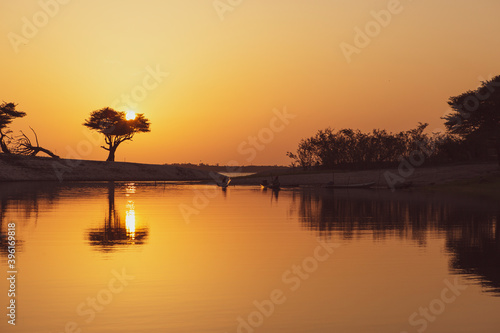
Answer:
(4, 147)
(111, 156)
(497, 230)
(498, 150)
(111, 203)
(46, 151)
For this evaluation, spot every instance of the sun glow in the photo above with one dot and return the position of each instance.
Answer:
(130, 115)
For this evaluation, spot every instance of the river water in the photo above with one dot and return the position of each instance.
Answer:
(171, 257)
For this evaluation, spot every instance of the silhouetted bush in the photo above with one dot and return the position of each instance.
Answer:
(379, 148)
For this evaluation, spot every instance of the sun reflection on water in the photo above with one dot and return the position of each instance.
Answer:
(130, 188)
(130, 219)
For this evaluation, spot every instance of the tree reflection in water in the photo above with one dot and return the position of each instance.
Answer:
(475, 250)
(471, 227)
(23, 199)
(113, 232)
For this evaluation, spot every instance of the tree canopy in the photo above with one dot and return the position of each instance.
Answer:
(476, 114)
(115, 127)
(8, 113)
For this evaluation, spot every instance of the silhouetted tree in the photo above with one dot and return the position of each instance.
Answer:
(476, 114)
(115, 127)
(8, 113)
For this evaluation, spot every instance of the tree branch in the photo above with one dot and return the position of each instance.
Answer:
(25, 147)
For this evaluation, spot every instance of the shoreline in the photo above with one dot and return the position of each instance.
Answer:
(15, 168)
(471, 178)
(421, 177)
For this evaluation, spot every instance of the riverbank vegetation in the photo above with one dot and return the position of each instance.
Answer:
(472, 133)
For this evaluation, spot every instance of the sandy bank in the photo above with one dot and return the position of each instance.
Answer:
(421, 176)
(23, 168)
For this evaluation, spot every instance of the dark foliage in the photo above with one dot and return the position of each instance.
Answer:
(348, 147)
(8, 113)
(476, 117)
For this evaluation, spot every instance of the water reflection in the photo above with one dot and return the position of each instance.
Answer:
(475, 249)
(114, 233)
(274, 193)
(130, 188)
(470, 226)
(130, 219)
(19, 203)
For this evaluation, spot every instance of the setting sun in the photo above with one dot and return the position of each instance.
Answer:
(130, 115)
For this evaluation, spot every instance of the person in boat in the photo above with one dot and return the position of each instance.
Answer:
(225, 181)
(276, 182)
(264, 183)
(330, 183)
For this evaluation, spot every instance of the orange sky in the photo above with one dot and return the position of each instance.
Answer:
(228, 68)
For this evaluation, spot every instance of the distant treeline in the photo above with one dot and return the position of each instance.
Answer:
(379, 148)
(227, 168)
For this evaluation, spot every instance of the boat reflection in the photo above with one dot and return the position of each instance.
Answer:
(274, 192)
(113, 233)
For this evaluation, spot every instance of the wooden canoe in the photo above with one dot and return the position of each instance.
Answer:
(361, 185)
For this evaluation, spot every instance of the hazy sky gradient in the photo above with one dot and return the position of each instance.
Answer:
(226, 76)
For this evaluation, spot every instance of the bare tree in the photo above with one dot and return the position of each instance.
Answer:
(23, 146)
